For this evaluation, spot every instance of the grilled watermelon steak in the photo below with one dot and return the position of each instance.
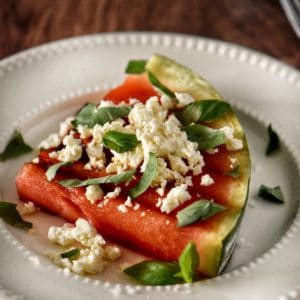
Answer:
(167, 161)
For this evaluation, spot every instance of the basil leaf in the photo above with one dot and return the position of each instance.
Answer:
(148, 176)
(126, 176)
(15, 147)
(204, 110)
(136, 66)
(154, 272)
(159, 85)
(234, 172)
(274, 144)
(272, 194)
(90, 115)
(111, 113)
(199, 210)
(9, 213)
(207, 138)
(188, 262)
(86, 116)
(51, 172)
(70, 254)
(119, 141)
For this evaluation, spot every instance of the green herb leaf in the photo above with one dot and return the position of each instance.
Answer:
(234, 172)
(86, 116)
(154, 272)
(136, 66)
(90, 115)
(274, 144)
(159, 85)
(15, 147)
(199, 210)
(72, 254)
(271, 194)
(51, 172)
(119, 141)
(126, 176)
(188, 262)
(9, 213)
(207, 138)
(204, 110)
(148, 176)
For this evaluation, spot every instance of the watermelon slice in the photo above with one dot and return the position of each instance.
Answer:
(158, 234)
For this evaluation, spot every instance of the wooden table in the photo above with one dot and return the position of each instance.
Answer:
(259, 24)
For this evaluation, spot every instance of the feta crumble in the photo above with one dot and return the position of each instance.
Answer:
(84, 131)
(232, 143)
(184, 99)
(160, 134)
(93, 193)
(176, 196)
(92, 253)
(27, 208)
(114, 194)
(52, 141)
(65, 126)
(112, 252)
(122, 208)
(72, 150)
(207, 180)
(136, 206)
(36, 160)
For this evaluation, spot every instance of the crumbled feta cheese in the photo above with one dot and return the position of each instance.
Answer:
(184, 99)
(176, 196)
(106, 103)
(160, 134)
(96, 155)
(233, 160)
(159, 202)
(188, 181)
(53, 154)
(36, 160)
(232, 143)
(143, 214)
(95, 152)
(160, 191)
(84, 131)
(65, 127)
(114, 194)
(207, 180)
(136, 206)
(112, 252)
(93, 193)
(128, 202)
(167, 102)
(83, 232)
(87, 166)
(27, 208)
(91, 256)
(53, 140)
(212, 151)
(122, 208)
(133, 101)
(125, 160)
(72, 150)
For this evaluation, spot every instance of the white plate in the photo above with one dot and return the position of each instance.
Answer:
(37, 89)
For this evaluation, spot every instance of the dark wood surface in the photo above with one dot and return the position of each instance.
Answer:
(259, 24)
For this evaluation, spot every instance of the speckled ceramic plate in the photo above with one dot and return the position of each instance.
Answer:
(39, 87)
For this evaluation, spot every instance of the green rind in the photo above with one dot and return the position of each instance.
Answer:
(179, 78)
